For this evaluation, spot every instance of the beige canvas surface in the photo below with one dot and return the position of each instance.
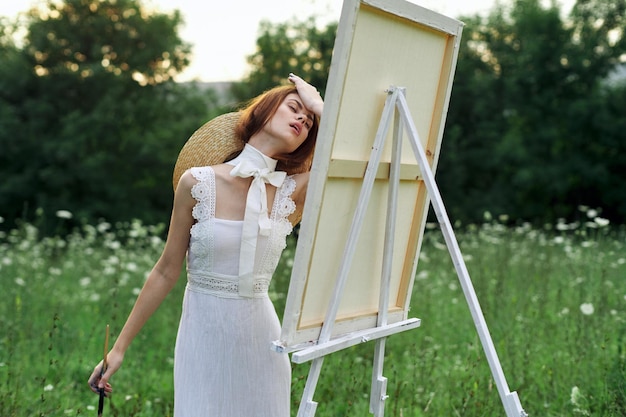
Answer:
(376, 49)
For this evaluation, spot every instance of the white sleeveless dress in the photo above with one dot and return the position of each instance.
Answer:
(224, 365)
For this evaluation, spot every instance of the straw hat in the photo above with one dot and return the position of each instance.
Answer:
(211, 144)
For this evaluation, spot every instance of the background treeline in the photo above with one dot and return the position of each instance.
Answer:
(91, 120)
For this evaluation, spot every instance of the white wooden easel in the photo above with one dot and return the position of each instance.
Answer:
(395, 104)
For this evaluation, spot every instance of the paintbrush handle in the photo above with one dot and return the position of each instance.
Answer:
(101, 402)
(104, 368)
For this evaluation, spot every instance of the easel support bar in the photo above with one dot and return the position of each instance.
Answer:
(353, 339)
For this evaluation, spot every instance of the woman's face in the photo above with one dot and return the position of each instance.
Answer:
(290, 125)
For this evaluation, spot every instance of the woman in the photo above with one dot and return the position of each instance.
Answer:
(231, 221)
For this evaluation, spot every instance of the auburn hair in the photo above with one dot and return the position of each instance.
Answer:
(259, 111)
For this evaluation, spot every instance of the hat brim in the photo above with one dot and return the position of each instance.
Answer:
(210, 145)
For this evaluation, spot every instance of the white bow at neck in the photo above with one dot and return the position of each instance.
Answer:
(253, 163)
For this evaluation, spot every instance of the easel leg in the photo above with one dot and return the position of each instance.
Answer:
(307, 405)
(379, 382)
(510, 401)
(378, 394)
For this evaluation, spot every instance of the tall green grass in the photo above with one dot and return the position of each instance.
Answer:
(554, 300)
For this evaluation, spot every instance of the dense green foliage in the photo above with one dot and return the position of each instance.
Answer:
(554, 301)
(90, 119)
(534, 127)
(300, 47)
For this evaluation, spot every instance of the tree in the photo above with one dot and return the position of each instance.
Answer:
(88, 37)
(515, 142)
(299, 47)
(100, 119)
(532, 131)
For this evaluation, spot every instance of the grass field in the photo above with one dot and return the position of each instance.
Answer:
(554, 299)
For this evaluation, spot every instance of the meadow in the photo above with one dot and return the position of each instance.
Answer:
(554, 298)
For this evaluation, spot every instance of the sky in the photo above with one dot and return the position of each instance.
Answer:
(224, 32)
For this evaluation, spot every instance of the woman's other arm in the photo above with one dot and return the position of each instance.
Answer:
(159, 283)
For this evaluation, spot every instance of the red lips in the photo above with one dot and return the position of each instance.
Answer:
(297, 126)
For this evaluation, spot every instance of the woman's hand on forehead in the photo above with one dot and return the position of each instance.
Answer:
(309, 95)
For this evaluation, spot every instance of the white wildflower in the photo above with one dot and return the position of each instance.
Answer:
(577, 281)
(19, 281)
(601, 221)
(64, 214)
(587, 309)
(574, 396)
(561, 225)
(103, 227)
(48, 387)
(84, 281)
(131, 266)
(440, 246)
(95, 297)
(124, 280)
(114, 245)
(592, 214)
(54, 271)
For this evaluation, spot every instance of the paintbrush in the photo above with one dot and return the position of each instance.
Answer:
(104, 368)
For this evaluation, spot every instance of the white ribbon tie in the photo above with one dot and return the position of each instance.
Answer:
(252, 163)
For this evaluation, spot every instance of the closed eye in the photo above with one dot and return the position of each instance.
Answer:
(295, 107)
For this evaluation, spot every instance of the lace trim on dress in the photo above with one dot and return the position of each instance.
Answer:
(202, 243)
(282, 208)
(224, 286)
(204, 193)
(201, 247)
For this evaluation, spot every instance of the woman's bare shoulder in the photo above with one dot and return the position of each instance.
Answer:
(299, 195)
(302, 180)
(222, 171)
(187, 180)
